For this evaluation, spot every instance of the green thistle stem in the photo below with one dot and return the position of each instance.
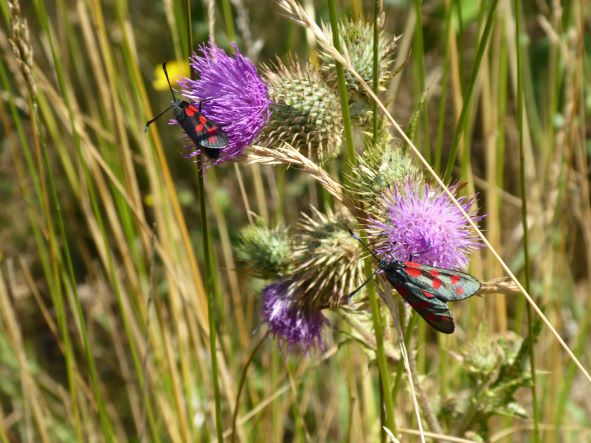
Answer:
(209, 283)
(526, 266)
(381, 355)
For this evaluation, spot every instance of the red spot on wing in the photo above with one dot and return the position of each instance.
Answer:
(434, 272)
(455, 278)
(412, 264)
(436, 283)
(412, 271)
(459, 291)
(202, 119)
(211, 139)
(199, 127)
(190, 110)
(427, 294)
(212, 130)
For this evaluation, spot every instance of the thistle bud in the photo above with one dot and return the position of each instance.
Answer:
(305, 112)
(265, 251)
(327, 261)
(383, 165)
(357, 41)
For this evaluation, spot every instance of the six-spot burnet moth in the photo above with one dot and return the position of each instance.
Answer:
(203, 132)
(425, 288)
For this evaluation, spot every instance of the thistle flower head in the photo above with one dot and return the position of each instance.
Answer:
(306, 112)
(232, 94)
(424, 223)
(382, 166)
(357, 39)
(294, 326)
(327, 261)
(266, 251)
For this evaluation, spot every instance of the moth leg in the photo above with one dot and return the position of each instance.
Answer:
(362, 285)
(201, 103)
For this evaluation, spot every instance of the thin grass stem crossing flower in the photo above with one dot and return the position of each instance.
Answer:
(423, 223)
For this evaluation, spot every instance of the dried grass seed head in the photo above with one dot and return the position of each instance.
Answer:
(20, 41)
(305, 111)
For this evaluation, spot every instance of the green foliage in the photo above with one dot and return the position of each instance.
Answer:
(497, 367)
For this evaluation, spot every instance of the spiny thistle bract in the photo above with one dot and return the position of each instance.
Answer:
(327, 261)
(265, 251)
(357, 39)
(381, 166)
(306, 113)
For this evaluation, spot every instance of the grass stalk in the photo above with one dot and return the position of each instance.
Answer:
(205, 238)
(419, 55)
(347, 127)
(350, 161)
(448, 34)
(524, 221)
(375, 68)
(229, 20)
(464, 114)
(69, 275)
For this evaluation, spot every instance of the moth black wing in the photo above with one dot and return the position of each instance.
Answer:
(433, 310)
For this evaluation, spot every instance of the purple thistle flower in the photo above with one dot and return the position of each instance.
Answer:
(427, 225)
(234, 97)
(295, 327)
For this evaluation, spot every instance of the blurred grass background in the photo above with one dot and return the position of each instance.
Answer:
(101, 257)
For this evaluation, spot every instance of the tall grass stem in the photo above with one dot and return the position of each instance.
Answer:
(524, 221)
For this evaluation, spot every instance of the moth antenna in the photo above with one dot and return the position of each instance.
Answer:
(168, 80)
(356, 237)
(149, 122)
